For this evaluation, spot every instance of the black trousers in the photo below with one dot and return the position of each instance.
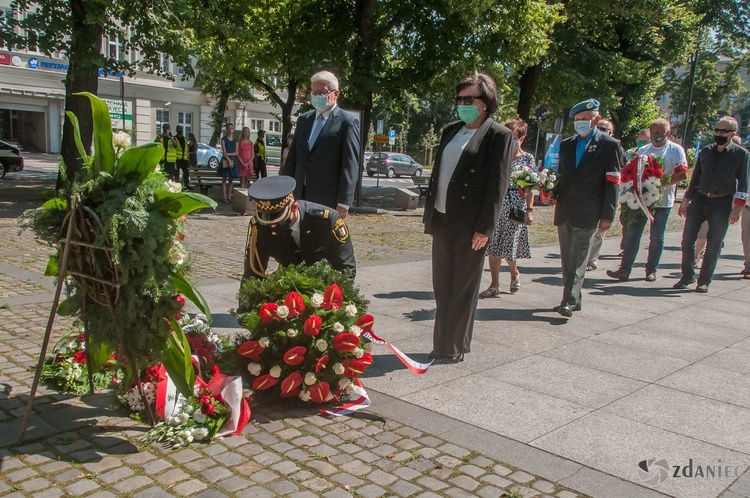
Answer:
(716, 211)
(456, 275)
(574, 254)
(182, 165)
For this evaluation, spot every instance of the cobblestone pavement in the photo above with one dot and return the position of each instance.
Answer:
(89, 447)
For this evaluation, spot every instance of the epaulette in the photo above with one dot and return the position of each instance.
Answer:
(320, 213)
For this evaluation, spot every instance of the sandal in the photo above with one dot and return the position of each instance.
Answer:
(515, 284)
(490, 292)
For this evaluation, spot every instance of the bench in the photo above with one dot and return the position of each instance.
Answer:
(421, 182)
(206, 178)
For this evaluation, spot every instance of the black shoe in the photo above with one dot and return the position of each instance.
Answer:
(591, 266)
(565, 311)
(651, 277)
(703, 288)
(744, 272)
(622, 253)
(620, 275)
(683, 283)
(434, 356)
(452, 359)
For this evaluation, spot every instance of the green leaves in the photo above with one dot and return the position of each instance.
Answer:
(104, 151)
(176, 204)
(177, 360)
(77, 136)
(138, 162)
(185, 288)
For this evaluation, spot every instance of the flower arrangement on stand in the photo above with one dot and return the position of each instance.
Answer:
(308, 339)
(67, 369)
(641, 187)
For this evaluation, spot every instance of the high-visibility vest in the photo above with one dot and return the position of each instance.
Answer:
(171, 151)
(181, 151)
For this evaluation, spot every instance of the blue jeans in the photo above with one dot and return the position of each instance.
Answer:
(632, 241)
(716, 211)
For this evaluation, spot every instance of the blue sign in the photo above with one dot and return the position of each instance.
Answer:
(34, 63)
(392, 133)
(54, 66)
(552, 156)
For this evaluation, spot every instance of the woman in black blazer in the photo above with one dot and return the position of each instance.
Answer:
(464, 197)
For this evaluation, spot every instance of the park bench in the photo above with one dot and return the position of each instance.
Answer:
(421, 182)
(206, 178)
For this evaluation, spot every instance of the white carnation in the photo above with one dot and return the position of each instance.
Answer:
(282, 311)
(358, 352)
(254, 368)
(304, 396)
(356, 330)
(275, 371)
(200, 433)
(316, 301)
(199, 417)
(351, 310)
(310, 379)
(184, 417)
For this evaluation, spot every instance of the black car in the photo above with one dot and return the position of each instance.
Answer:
(393, 165)
(10, 159)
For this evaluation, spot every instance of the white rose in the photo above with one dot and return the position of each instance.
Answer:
(121, 139)
(275, 371)
(264, 342)
(189, 439)
(282, 311)
(200, 433)
(310, 379)
(351, 310)
(367, 347)
(174, 420)
(304, 396)
(344, 383)
(356, 330)
(246, 393)
(199, 417)
(184, 417)
(358, 352)
(322, 345)
(254, 368)
(291, 333)
(338, 368)
(186, 434)
(176, 257)
(189, 409)
(337, 327)
(316, 301)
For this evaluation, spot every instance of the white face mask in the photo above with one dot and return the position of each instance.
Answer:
(583, 128)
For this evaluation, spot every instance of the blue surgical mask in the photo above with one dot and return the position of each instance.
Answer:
(583, 128)
(319, 102)
(468, 113)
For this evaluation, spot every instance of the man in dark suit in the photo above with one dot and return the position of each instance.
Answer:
(324, 156)
(586, 196)
(294, 232)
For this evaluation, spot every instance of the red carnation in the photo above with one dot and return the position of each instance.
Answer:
(208, 409)
(250, 349)
(267, 313)
(291, 384)
(264, 382)
(295, 303)
(353, 367)
(321, 364)
(319, 392)
(80, 357)
(295, 356)
(365, 322)
(345, 342)
(313, 325)
(333, 298)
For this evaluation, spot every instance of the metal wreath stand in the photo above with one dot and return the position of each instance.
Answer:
(96, 279)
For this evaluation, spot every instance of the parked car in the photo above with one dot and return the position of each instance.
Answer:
(393, 165)
(208, 156)
(273, 146)
(10, 158)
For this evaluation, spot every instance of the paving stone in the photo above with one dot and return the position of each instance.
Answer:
(431, 483)
(186, 455)
(388, 437)
(251, 449)
(265, 439)
(285, 468)
(303, 494)
(21, 474)
(387, 465)
(288, 433)
(431, 441)
(371, 491)
(53, 467)
(302, 475)
(272, 426)
(115, 475)
(248, 468)
(472, 470)
(152, 492)
(230, 458)
(283, 488)
(404, 488)
(267, 458)
(490, 492)
(39, 459)
(172, 476)
(421, 464)
(213, 449)
(498, 481)
(381, 478)
(156, 466)
(407, 473)
(367, 456)
(317, 484)
(356, 467)
(81, 487)
(367, 442)
(87, 455)
(321, 467)
(10, 464)
(67, 476)
(458, 493)
(48, 493)
(190, 487)
(566, 494)
(282, 447)
(501, 470)
(132, 483)
(103, 494)
(428, 452)
(337, 493)
(544, 487)
(211, 493)
(465, 482)
(199, 465)
(298, 455)
(350, 448)
(521, 477)
(407, 444)
(141, 458)
(263, 476)
(384, 450)
(332, 439)
(347, 479)
(525, 491)
(482, 462)
(36, 484)
(234, 441)
(215, 474)
(234, 484)
(448, 461)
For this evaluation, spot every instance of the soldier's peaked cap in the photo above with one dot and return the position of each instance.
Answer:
(273, 197)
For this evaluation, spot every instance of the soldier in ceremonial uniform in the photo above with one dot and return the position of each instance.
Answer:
(294, 232)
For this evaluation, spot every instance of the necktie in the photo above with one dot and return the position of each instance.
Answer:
(317, 125)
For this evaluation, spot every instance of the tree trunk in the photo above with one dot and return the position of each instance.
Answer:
(528, 83)
(217, 117)
(82, 76)
(286, 112)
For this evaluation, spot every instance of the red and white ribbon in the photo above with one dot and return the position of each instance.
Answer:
(642, 162)
(359, 400)
(414, 366)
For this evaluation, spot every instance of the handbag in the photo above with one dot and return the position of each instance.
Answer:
(226, 163)
(517, 214)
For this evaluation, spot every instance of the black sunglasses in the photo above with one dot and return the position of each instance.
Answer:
(722, 130)
(604, 128)
(466, 100)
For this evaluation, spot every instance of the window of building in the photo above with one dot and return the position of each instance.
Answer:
(186, 120)
(256, 124)
(5, 16)
(115, 49)
(33, 48)
(274, 126)
(162, 118)
(164, 63)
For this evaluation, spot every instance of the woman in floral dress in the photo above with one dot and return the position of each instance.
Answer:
(510, 240)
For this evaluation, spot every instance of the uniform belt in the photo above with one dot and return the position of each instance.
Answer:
(713, 196)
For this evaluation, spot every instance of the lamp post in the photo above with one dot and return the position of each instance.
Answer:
(693, 68)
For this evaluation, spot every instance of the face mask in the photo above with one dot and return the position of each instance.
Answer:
(583, 128)
(640, 143)
(721, 139)
(516, 144)
(468, 113)
(319, 102)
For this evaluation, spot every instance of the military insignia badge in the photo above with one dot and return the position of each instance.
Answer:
(340, 231)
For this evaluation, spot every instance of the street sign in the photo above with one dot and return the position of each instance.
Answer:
(380, 139)
(381, 124)
(392, 133)
(391, 140)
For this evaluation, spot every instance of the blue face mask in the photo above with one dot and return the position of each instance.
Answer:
(468, 113)
(583, 128)
(319, 102)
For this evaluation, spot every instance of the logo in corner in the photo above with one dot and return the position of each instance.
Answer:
(653, 472)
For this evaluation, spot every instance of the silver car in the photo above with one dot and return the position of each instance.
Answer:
(208, 156)
(392, 165)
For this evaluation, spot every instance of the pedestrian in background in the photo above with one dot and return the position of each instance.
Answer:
(605, 126)
(192, 150)
(245, 155)
(169, 160)
(464, 197)
(260, 154)
(183, 160)
(510, 240)
(717, 194)
(228, 169)
(285, 153)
